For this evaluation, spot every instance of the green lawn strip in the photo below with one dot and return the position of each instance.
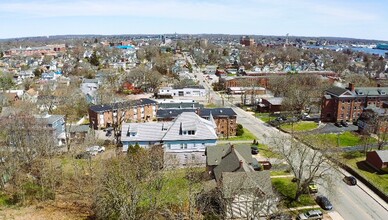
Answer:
(279, 172)
(379, 180)
(265, 151)
(286, 188)
(300, 126)
(265, 117)
(247, 136)
(344, 139)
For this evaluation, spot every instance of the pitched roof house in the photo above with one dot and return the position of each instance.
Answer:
(378, 159)
(184, 139)
(248, 193)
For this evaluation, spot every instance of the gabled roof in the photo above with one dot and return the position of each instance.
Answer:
(232, 162)
(170, 131)
(336, 91)
(258, 182)
(214, 154)
(383, 154)
(204, 129)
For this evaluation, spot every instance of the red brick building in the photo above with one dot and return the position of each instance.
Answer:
(103, 116)
(347, 104)
(378, 159)
(247, 41)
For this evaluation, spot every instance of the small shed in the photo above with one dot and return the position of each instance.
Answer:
(378, 159)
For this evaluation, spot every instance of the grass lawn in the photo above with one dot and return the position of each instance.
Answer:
(300, 126)
(265, 117)
(247, 136)
(266, 152)
(279, 172)
(175, 188)
(342, 140)
(379, 180)
(211, 105)
(287, 189)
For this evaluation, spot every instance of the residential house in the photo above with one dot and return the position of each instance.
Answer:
(272, 105)
(248, 193)
(347, 104)
(197, 91)
(78, 132)
(224, 118)
(184, 139)
(57, 125)
(103, 116)
(378, 159)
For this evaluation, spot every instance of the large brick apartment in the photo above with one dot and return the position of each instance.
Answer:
(348, 104)
(103, 116)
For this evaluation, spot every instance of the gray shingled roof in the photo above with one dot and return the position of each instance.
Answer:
(205, 130)
(106, 107)
(275, 100)
(231, 163)
(372, 91)
(79, 128)
(335, 90)
(383, 154)
(172, 131)
(238, 182)
(215, 153)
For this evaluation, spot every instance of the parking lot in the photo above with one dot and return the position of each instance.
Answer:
(331, 128)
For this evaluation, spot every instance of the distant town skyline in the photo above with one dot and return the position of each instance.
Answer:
(330, 18)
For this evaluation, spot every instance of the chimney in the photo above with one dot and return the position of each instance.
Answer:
(241, 163)
(351, 87)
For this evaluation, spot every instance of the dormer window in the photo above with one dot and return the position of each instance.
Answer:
(191, 132)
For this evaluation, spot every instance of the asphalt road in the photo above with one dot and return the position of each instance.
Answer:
(351, 202)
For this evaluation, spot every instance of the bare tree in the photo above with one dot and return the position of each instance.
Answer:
(306, 164)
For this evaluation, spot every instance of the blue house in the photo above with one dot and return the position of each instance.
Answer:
(183, 139)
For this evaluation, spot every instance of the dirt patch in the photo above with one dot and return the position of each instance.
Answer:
(53, 210)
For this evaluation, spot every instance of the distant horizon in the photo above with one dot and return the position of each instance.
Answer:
(355, 19)
(156, 34)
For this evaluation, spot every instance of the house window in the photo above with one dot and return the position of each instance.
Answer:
(168, 146)
(191, 132)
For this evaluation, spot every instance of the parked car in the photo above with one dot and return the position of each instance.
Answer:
(313, 188)
(338, 124)
(324, 202)
(108, 133)
(350, 180)
(254, 150)
(94, 150)
(312, 214)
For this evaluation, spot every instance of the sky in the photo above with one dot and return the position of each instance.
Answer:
(366, 19)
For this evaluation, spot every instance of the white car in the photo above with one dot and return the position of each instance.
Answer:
(94, 150)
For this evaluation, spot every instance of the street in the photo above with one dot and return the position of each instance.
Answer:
(351, 202)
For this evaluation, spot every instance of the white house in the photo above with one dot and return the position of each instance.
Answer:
(184, 139)
(198, 91)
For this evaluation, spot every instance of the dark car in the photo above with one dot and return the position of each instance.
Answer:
(324, 202)
(108, 133)
(344, 123)
(338, 124)
(350, 180)
(254, 150)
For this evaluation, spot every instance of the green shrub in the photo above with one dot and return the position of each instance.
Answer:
(239, 130)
